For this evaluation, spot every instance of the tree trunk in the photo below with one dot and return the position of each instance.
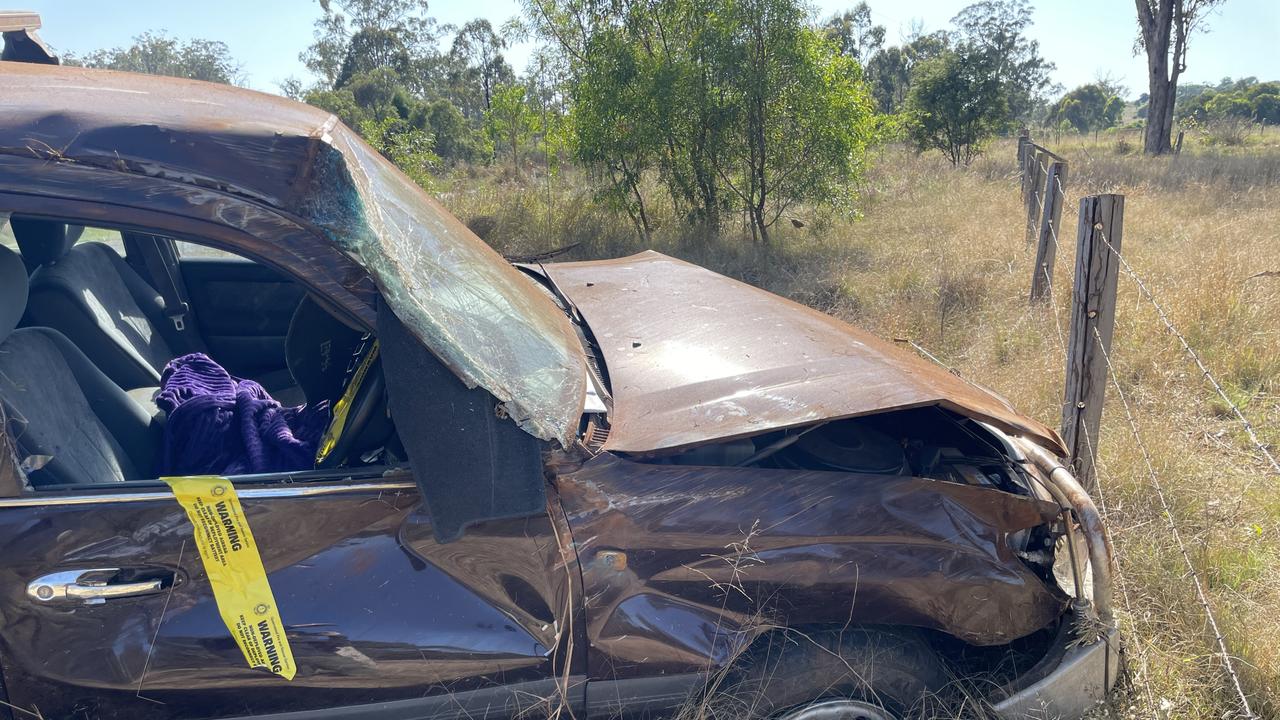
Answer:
(639, 217)
(1156, 21)
(1155, 139)
(758, 182)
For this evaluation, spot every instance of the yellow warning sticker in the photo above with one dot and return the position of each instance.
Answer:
(235, 571)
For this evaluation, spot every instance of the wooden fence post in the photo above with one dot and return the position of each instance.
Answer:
(1024, 142)
(1050, 226)
(1093, 316)
(1035, 191)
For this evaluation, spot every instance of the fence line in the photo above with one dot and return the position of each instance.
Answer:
(1029, 157)
(927, 354)
(1030, 154)
(1044, 272)
(1227, 663)
(1145, 680)
(1204, 370)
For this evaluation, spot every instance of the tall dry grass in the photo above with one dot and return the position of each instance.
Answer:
(938, 256)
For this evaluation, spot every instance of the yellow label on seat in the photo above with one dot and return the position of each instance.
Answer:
(235, 571)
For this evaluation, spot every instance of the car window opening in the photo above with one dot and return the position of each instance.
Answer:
(243, 387)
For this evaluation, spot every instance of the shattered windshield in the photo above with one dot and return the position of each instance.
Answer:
(485, 320)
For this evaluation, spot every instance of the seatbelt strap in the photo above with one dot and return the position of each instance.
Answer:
(161, 257)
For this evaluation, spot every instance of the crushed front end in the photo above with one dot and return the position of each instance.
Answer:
(920, 518)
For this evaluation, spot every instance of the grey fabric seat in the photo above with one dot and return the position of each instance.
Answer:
(70, 424)
(89, 293)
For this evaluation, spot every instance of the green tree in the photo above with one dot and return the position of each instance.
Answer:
(1229, 105)
(408, 147)
(802, 117)
(889, 71)
(1088, 108)
(160, 54)
(724, 101)
(1266, 108)
(854, 33)
(1165, 27)
(615, 120)
(456, 141)
(510, 120)
(371, 49)
(958, 103)
(1228, 99)
(339, 102)
(383, 31)
(998, 28)
(477, 67)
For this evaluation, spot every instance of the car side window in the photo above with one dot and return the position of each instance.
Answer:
(193, 250)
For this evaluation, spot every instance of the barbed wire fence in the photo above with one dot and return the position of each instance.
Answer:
(1087, 352)
(1140, 676)
(1092, 309)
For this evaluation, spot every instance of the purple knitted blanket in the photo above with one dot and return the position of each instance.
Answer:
(221, 425)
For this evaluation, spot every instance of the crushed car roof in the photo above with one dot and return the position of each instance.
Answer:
(694, 357)
(490, 324)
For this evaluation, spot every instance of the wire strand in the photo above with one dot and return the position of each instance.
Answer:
(1227, 663)
(1195, 357)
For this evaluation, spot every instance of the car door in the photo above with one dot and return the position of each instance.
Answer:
(107, 611)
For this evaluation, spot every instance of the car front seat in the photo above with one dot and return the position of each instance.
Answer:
(68, 422)
(91, 295)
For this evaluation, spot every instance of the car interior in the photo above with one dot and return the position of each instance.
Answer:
(89, 319)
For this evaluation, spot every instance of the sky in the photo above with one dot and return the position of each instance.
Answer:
(1083, 38)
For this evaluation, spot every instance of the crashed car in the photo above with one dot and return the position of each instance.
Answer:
(617, 488)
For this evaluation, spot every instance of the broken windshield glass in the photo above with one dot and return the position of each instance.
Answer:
(485, 320)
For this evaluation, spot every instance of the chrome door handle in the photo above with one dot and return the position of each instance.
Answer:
(91, 586)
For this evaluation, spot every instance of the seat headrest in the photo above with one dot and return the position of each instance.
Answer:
(43, 242)
(13, 291)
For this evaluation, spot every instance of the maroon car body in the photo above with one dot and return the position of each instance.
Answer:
(747, 463)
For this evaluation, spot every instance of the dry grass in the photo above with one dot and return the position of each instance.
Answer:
(939, 257)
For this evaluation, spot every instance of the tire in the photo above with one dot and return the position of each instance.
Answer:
(876, 674)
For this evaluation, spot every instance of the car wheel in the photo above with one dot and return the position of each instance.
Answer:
(857, 674)
(846, 709)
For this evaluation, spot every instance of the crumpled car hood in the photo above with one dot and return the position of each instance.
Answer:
(695, 357)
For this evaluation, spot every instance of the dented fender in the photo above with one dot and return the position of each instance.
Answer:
(682, 566)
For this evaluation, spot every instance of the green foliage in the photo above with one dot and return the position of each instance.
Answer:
(958, 103)
(1088, 108)
(354, 36)
(406, 146)
(160, 54)
(998, 30)
(1226, 105)
(1266, 108)
(371, 49)
(800, 111)
(455, 140)
(510, 121)
(729, 102)
(616, 124)
(339, 102)
(382, 74)
(475, 67)
(1243, 99)
(854, 33)
(889, 71)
